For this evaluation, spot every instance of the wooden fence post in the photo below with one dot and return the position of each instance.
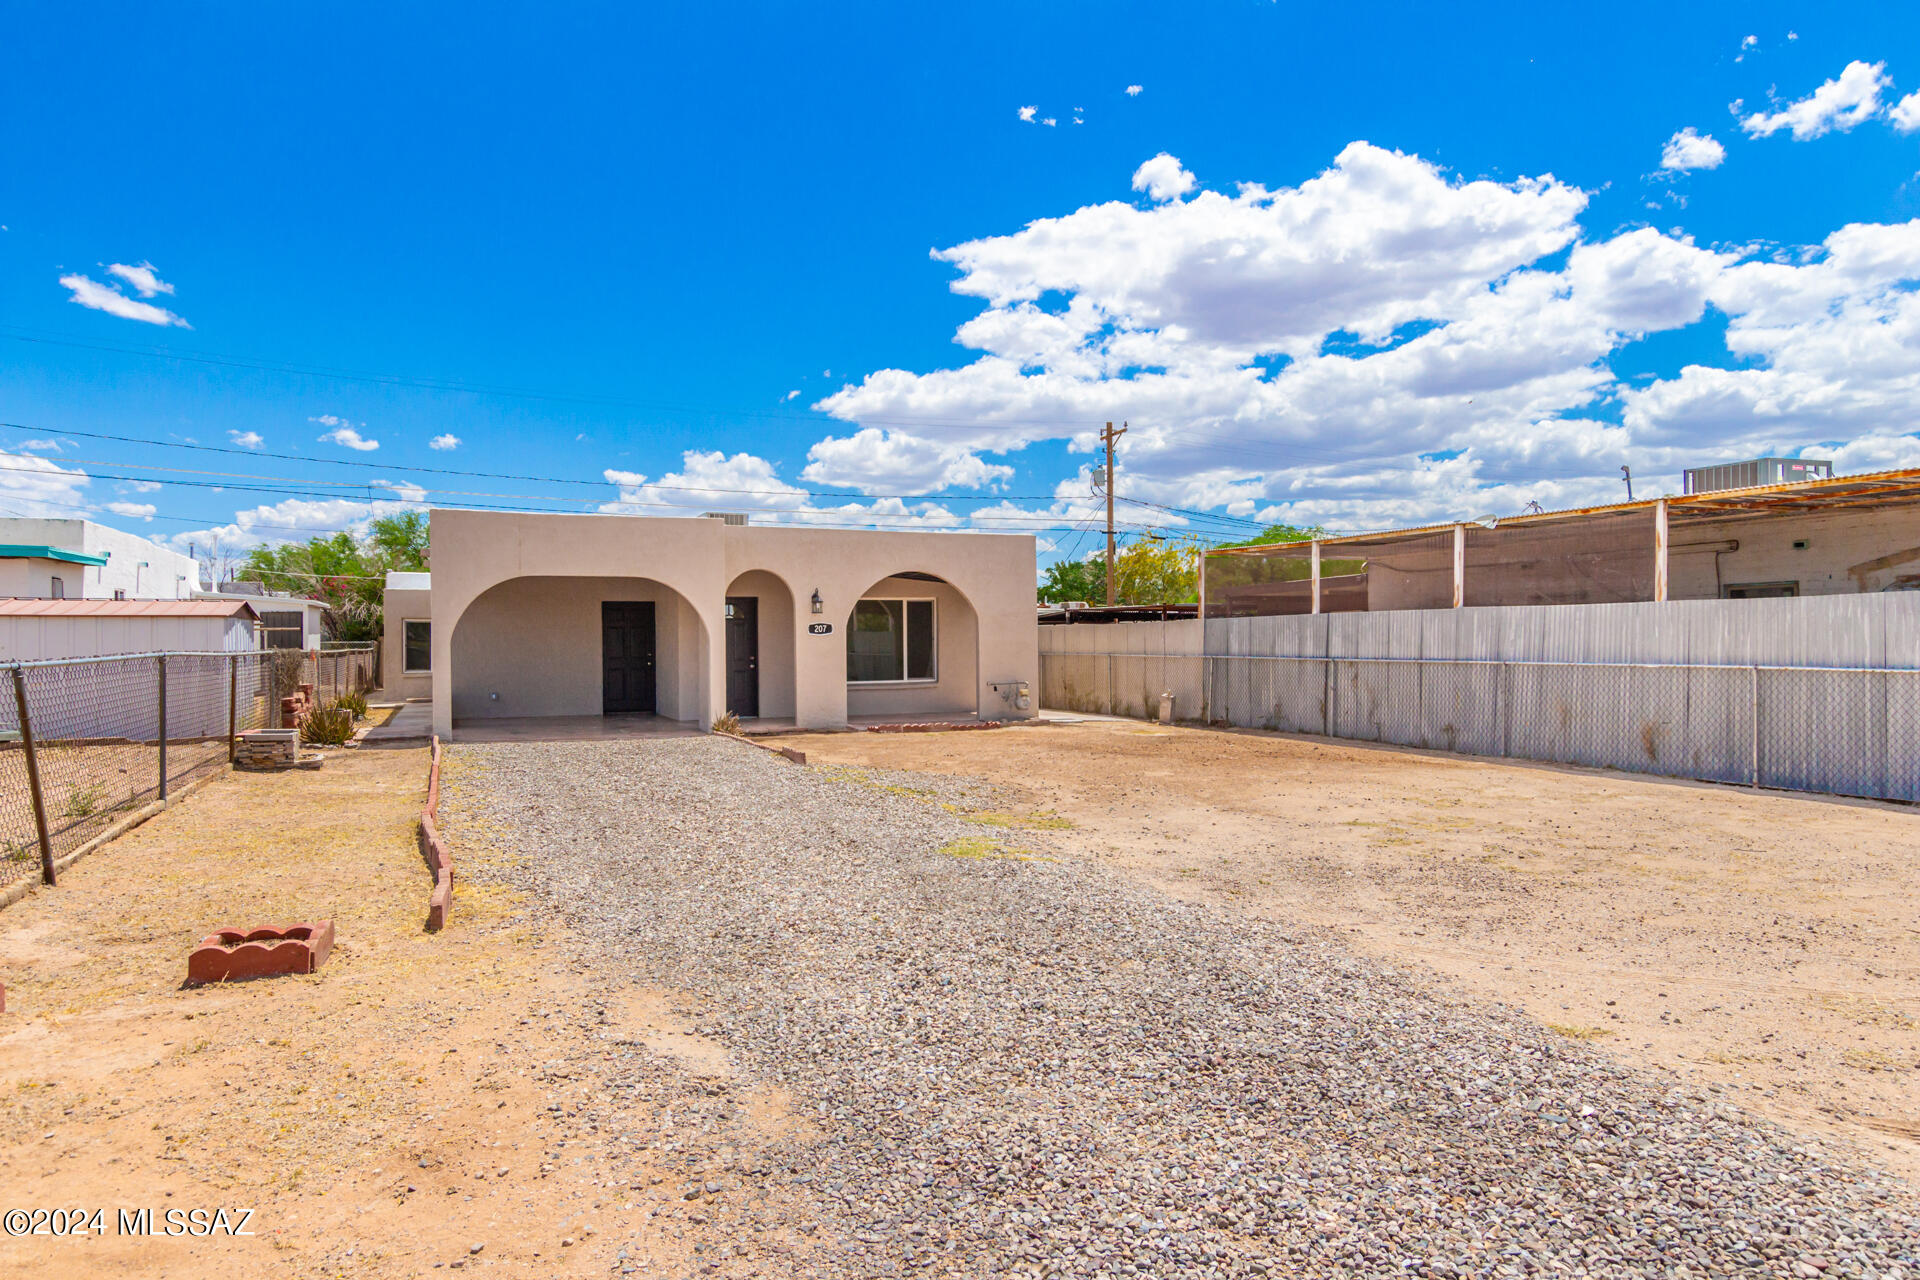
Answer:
(33, 776)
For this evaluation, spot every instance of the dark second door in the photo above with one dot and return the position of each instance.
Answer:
(743, 655)
(626, 655)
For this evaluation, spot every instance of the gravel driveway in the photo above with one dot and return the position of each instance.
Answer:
(1030, 1067)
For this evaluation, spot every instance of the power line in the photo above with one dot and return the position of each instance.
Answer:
(506, 475)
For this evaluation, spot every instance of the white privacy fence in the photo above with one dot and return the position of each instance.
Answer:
(1815, 694)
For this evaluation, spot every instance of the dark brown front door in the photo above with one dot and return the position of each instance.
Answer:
(743, 655)
(626, 655)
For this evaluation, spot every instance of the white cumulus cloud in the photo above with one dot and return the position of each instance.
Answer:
(873, 460)
(247, 439)
(1134, 90)
(1163, 178)
(1690, 149)
(90, 293)
(1384, 343)
(344, 433)
(1905, 114)
(1028, 113)
(1841, 103)
(133, 510)
(444, 442)
(142, 277)
(34, 486)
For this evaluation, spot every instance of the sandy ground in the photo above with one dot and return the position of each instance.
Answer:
(1764, 942)
(420, 1095)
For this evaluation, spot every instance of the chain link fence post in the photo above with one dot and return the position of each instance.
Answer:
(233, 704)
(33, 776)
(1753, 687)
(161, 663)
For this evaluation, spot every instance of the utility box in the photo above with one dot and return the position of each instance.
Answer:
(1760, 471)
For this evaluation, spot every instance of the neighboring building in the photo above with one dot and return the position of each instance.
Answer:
(1844, 535)
(406, 646)
(531, 614)
(91, 628)
(81, 560)
(286, 622)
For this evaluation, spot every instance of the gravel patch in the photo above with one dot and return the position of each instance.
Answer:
(1018, 1066)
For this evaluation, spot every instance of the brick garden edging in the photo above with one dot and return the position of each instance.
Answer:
(231, 955)
(934, 726)
(439, 860)
(791, 753)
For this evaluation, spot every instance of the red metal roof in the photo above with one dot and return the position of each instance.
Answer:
(125, 609)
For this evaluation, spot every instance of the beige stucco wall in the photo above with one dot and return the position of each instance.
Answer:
(531, 647)
(402, 606)
(699, 560)
(776, 640)
(956, 688)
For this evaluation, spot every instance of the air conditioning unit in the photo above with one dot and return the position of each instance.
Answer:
(726, 517)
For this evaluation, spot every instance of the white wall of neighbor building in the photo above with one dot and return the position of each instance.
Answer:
(70, 637)
(142, 568)
(515, 600)
(1834, 544)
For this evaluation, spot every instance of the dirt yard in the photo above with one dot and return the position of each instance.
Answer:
(1764, 942)
(424, 1101)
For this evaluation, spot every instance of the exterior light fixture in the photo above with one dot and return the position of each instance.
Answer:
(817, 608)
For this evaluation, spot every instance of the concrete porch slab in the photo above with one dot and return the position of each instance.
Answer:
(572, 728)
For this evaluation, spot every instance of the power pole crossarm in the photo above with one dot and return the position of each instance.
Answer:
(1109, 437)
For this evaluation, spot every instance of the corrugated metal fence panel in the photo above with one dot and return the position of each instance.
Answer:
(1817, 693)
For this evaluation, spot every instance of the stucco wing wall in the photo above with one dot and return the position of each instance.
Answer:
(400, 606)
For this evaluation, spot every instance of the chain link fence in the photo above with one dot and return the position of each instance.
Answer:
(353, 668)
(1841, 730)
(84, 742)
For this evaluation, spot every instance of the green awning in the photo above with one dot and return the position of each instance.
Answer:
(28, 551)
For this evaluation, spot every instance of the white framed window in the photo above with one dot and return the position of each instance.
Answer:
(59, 589)
(119, 593)
(893, 642)
(416, 654)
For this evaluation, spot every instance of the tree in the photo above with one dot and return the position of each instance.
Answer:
(348, 573)
(1155, 570)
(1151, 570)
(1074, 580)
(1278, 533)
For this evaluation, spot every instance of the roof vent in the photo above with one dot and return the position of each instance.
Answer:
(726, 517)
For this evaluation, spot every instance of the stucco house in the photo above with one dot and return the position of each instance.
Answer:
(540, 615)
(60, 559)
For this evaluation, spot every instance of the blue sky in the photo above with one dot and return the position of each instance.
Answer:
(1361, 268)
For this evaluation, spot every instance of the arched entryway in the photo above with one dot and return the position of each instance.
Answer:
(554, 646)
(759, 666)
(913, 649)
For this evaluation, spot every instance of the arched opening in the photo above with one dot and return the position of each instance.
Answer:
(913, 649)
(542, 647)
(759, 666)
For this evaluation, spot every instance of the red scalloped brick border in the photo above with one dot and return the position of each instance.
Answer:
(439, 858)
(233, 955)
(791, 753)
(934, 726)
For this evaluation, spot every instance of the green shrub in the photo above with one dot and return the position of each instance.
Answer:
(328, 728)
(354, 702)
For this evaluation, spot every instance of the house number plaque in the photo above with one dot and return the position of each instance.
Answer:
(819, 628)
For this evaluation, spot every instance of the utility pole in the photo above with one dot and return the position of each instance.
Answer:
(1110, 437)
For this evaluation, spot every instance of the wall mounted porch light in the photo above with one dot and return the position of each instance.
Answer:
(817, 608)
